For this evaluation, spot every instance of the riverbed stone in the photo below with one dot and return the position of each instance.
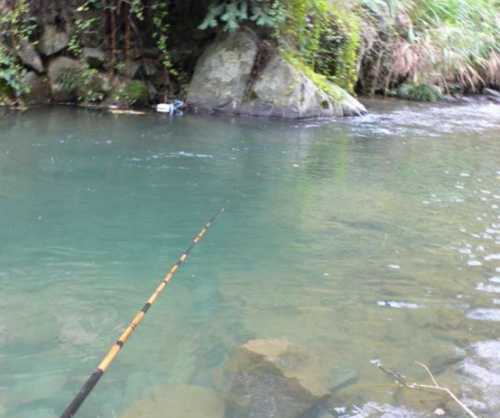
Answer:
(29, 56)
(182, 401)
(272, 378)
(53, 40)
(223, 72)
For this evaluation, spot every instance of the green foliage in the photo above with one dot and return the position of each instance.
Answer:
(160, 33)
(68, 81)
(11, 74)
(84, 84)
(338, 53)
(231, 14)
(85, 20)
(441, 42)
(92, 87)
(16, 26)
(134, 93)
(319, 80)
(419, 92)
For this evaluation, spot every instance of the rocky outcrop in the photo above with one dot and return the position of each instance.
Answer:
(284, 91)
(222, 73)
(53, 40)
(230, 77)
(29, 56)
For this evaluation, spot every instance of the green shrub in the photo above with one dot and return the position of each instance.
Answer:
(69, 80)
(419, 92)
(134, 93)
(84, 84)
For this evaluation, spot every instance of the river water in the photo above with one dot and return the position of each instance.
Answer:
(365, 240)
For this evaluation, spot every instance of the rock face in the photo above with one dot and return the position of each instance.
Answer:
(28, 55)
(228, 79)
(56, 70)
(53, 40)
(223, 72)
(271, 378)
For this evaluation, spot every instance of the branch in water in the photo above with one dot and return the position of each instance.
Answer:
(435, 386)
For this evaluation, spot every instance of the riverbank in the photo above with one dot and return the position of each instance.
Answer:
(287, 58)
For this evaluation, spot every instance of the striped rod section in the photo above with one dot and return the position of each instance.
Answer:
(94, 378)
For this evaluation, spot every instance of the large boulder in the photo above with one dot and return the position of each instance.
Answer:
(223, 72)
(232, 76)
(39, 88)
(29, 56)
(272, 378)
(53, 40)
(64, 78)
(283, 90)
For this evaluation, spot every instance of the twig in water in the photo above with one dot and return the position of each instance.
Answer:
(435, 386)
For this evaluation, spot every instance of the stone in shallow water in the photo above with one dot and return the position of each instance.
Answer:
(178, 401)
(272, 378)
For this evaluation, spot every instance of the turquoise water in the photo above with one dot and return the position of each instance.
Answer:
(370, 238)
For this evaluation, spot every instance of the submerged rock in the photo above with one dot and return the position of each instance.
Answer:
(53, 40)
(235, 76)
(272, 378)
(178, 401)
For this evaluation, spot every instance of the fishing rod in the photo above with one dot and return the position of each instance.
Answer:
(94, 378)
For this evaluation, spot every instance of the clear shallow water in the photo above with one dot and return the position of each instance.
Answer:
(362, 239)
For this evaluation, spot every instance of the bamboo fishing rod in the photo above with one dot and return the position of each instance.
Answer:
(94, 378)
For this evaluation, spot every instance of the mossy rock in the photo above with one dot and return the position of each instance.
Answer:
(419, 92)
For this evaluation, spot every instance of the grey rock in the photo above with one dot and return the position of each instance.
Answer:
(53, 40)
(39, 88)
(94, 57)
(271, 378)
(223, 72)
(29, 56)
(225, 80)
(57, 67)
(285, 91)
